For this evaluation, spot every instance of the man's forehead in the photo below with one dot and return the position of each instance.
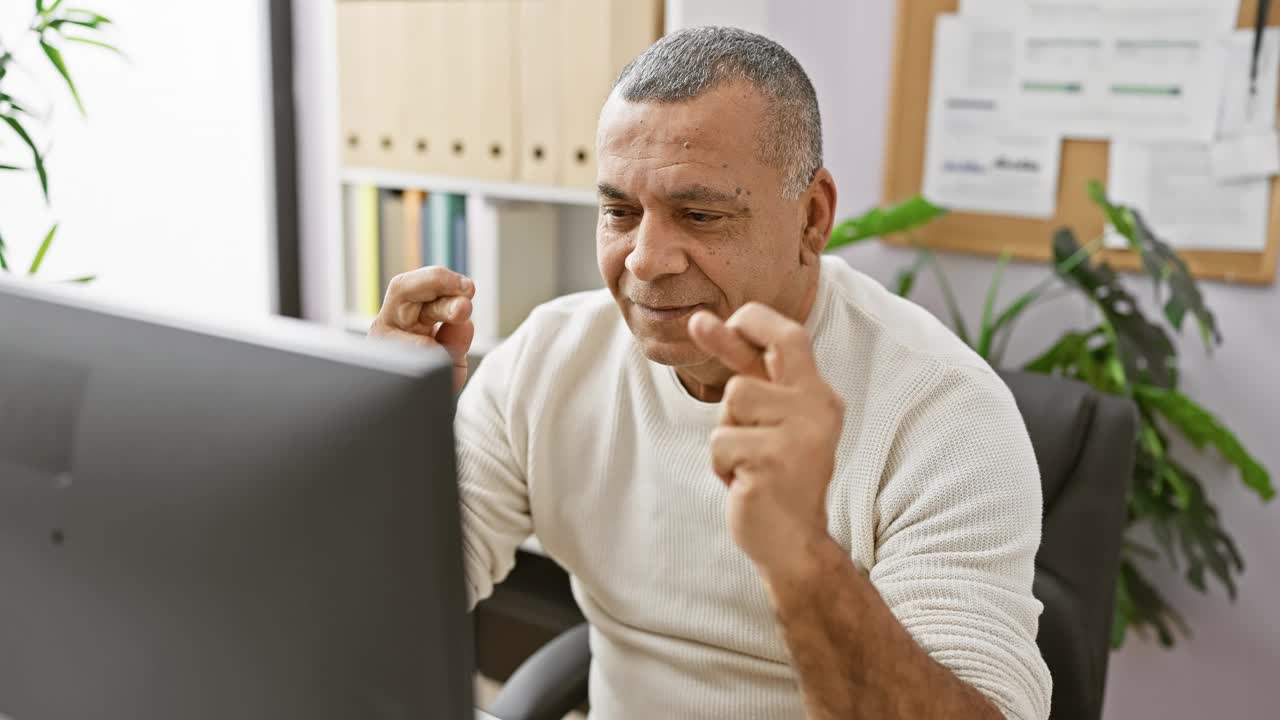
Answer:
(675, 175)
(706, 123)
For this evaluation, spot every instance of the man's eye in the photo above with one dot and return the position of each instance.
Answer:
(701, 217)
(615, 212)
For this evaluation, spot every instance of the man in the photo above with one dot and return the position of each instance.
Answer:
(780, 490)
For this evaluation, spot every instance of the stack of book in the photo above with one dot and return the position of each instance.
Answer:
(389, 232)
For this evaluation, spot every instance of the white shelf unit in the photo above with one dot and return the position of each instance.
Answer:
(322, 177)
(470, 186)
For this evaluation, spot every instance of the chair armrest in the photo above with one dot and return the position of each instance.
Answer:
(552, 682)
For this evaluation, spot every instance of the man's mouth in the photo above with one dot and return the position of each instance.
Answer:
(666, 313)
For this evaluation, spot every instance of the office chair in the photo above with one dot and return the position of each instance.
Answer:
(1084, 444)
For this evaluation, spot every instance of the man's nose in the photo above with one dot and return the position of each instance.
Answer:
(657, 251)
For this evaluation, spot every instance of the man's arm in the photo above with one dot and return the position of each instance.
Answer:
(431, 307)
(492, 487)
(945, 624)
(852, 657)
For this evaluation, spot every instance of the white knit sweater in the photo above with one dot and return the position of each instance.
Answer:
(567, 430)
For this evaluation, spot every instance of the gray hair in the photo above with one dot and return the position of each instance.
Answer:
(690, 62)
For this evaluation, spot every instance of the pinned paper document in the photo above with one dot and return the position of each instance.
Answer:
(1172, 184)
(1211, 196)
(1245, 157)
(1215, 16)
(977, 159)
(1128, 79)
(1247, 146)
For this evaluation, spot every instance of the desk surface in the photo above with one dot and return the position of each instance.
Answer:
(482, 715)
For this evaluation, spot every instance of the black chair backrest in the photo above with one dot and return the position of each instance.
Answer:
(1084, 444)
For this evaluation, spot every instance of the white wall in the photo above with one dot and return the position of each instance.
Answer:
(1228, 669)
(164, 190)
(315, 60)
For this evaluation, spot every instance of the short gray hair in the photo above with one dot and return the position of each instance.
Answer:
(690, 62)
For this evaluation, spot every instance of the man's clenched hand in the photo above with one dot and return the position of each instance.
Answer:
(430, 306)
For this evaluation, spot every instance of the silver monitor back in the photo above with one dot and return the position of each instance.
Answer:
(198, 523)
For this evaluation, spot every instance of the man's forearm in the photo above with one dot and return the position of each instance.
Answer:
(852, 657)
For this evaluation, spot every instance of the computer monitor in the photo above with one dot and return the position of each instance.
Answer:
(202, 523)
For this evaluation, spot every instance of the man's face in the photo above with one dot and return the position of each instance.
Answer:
(690, 217)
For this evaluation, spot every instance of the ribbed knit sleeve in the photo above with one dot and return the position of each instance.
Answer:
(491, 437)
(958, 526)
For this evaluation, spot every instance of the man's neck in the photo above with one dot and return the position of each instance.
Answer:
(704, 382)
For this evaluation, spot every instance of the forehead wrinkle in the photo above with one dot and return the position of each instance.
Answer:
(681, 191)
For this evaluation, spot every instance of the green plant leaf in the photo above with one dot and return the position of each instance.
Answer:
(1202, 428)
(40, 7)
(1118, 219)
(93, 17)
(4, 264)
(10, 167)
(55, 57)
(1089, 357)
(949, 297)
(879, 222)
(1205, 544)
(95, 43)
(906, 277)
(35, 153)
(988, 329)
(1121, 613)
(1163, 265)
(1174, 311)
(1003, 325)
(14, 107)
(1140, 606)
(44, 248)
(1151, 443)
(1145, 352)
(82, 279)
(1064, 354)
(89, 20)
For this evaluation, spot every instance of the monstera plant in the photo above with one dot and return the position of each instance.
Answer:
(1126, 353)
(51, 28)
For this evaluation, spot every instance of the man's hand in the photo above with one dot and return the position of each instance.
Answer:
(775, 448)
(780, 424)
(430, 306)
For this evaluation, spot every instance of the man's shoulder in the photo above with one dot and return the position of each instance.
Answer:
(896, 351)
(894, 325)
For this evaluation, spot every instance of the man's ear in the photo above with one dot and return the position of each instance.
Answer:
(820, 212)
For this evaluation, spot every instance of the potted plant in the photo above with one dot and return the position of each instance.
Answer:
(1122, 353)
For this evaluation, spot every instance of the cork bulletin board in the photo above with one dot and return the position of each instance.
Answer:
(1082, 160)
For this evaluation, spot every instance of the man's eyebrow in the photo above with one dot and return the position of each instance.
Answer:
(690, 193)
(701, 193)
(608, 191)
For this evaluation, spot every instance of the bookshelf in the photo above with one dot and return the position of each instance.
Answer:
(530, 234)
